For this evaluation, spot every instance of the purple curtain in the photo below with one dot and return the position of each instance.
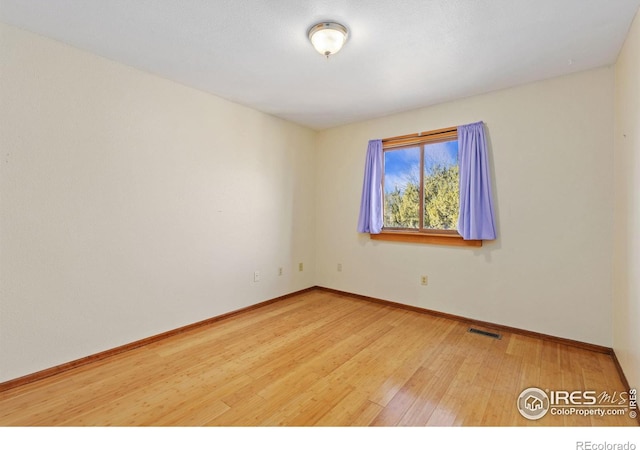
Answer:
(370, 220)
(476, 219)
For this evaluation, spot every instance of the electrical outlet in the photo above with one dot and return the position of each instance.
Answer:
(256, 276)
(339, 267)
(300, 267)
(424, 280)
(279, 271)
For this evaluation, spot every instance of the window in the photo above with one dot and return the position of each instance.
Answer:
(421, 187)
(420, 183)
(421, 193)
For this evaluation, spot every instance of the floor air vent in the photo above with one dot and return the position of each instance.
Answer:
(485, 333)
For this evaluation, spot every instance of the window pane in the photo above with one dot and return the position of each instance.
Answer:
(441, 190)
(402, 188)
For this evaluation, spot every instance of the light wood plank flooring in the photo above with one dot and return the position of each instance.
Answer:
(317, 359)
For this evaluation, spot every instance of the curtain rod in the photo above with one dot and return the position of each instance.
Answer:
(423, 134)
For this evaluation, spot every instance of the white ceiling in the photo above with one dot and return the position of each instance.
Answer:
(401, 54)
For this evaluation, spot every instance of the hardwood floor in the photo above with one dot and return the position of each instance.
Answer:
(318, 359)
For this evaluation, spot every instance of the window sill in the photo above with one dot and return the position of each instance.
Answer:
(424, 238)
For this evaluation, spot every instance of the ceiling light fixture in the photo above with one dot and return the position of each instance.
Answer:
(328, 37)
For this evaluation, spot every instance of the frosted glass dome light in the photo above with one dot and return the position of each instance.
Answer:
(328, 37)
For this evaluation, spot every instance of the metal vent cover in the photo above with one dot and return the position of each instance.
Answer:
(485, 333)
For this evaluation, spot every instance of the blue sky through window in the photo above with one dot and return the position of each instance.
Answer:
(443, 154)
(403, 165)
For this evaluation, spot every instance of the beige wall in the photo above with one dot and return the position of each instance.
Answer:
(626, 261)
(550, 269)
(131, 205)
